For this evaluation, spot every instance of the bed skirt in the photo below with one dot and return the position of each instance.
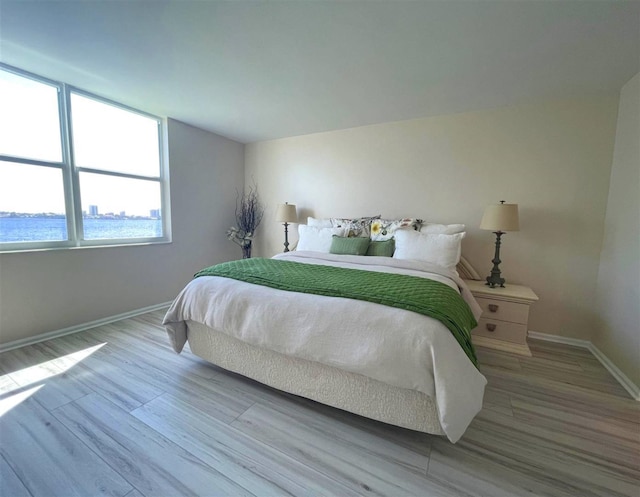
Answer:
(331, 386)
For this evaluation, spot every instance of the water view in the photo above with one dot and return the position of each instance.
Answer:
(19, 229)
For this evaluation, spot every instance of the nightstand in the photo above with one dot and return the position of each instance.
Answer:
(505, 316)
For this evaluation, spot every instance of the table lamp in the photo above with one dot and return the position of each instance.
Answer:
(499, 218)
(286, 213)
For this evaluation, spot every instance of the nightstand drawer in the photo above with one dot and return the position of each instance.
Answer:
(504, 311)
(502, 330)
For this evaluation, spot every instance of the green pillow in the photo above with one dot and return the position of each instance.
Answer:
(383, 249)
(355, 245)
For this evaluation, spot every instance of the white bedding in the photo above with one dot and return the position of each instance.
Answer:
(398, 347)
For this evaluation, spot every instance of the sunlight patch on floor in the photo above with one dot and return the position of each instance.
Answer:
(8, 403)
(38, 373)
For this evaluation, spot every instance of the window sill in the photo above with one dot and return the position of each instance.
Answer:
(83, 247)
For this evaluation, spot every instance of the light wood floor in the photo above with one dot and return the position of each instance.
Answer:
(115, 411)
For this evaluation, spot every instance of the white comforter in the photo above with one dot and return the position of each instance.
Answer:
(398, 347)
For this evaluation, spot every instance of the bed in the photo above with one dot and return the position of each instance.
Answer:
(383, 362)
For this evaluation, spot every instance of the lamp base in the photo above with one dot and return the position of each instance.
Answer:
(494, 279)
(286, 237)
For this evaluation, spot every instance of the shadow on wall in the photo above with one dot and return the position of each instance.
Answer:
(303, 214)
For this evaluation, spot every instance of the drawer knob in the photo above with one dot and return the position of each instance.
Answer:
(493, 308)
(491, 327)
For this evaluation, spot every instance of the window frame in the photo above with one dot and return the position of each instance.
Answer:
(71, 175)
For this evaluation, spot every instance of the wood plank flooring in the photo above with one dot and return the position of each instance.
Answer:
(114, 411)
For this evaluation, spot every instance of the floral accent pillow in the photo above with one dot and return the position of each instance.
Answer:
(384, 229)
(355, 227)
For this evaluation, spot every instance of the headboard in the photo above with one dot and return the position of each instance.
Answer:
(467, 271)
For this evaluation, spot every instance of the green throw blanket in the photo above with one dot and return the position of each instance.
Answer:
(421, 295)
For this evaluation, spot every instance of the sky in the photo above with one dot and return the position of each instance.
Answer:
(104, 137)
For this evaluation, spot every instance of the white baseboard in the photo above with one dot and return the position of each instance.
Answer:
(80, 327)
(576, 342)
(622, 378)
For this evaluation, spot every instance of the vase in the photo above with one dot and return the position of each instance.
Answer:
(246, 251)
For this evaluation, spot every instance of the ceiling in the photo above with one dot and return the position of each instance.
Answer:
(254, 71)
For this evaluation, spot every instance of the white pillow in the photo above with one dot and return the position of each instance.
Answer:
(444, 250)
(442, 229)
(319, 223)
(317, 239)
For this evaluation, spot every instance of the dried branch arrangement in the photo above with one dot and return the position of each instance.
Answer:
(249, 214)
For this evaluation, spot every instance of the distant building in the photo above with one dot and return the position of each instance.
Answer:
(154, 213)
(93, 210)
(123, 213)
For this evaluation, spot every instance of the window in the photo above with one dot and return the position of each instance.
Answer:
(75, 169)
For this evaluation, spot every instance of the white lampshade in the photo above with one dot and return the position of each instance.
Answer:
(500, 217)
(286, 213)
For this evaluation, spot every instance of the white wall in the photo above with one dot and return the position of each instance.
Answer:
(618, 290)
(51, 290)
(552, 158)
